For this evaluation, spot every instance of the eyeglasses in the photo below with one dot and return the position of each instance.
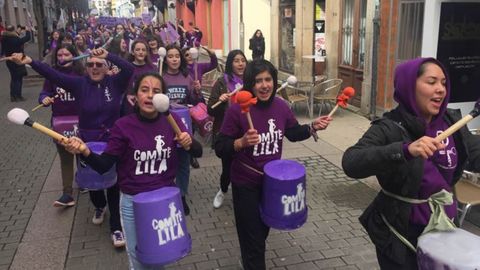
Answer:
(94, 64)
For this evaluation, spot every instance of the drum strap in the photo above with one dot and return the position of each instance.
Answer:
(438, 221)
(251, 168)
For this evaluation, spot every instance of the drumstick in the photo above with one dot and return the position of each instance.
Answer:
(161, 103)
(230, 94)
(460, 123)
(4, 59)
(161, 52)
(194, 54)
(245, 99)
(342, 99)
(21, 117)
(60, 92)
(291, 80)
(85, 55)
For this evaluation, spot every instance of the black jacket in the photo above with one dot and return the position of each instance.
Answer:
(219, 88)
(379, 152)
(11, 43)
(257, 45)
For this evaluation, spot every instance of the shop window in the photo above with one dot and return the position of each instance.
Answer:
(287, 36)
(410, 29)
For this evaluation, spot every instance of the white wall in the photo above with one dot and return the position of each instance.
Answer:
(256, 15)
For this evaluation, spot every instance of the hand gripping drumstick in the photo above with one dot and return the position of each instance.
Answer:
(161, 52)
(60, 92)
(21, 117)
(291, 80)
(342, 99)
(194, 54)
(240, 87)
(245, 100)
(460, 123)
(161, 103)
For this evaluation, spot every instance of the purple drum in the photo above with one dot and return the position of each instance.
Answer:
(88, 178)
(65, 125)
(455, 250)
(162, 235)
(284, 204)
(184, 114)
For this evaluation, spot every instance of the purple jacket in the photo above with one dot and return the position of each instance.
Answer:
(99, 102)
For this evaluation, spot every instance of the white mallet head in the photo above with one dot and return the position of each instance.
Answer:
(161, 102)
(162, 52)
(17, 116)
(291, 80)
(194, 53)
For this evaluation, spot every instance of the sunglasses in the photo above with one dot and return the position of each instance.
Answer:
(94, 64)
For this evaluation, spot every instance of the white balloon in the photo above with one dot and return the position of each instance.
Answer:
(161, 102)
(17, 116)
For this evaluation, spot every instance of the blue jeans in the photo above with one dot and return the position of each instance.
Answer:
(183, 173)
(128, 224)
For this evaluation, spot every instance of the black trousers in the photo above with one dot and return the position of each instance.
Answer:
(252, 232)
(225, 176)
(410, 260)
(113, 196)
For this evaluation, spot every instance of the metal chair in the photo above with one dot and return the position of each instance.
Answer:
(467, 192)
(326, 92)
(208, 80)
(295, 94)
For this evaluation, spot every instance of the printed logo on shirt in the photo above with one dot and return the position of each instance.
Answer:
(176, 93)
(169, 228)
(269, 140)
(64, 95)
(449, 153)
(108, 96)
(295, 203)
(153, 161)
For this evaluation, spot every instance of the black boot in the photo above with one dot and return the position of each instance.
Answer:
(186, 209)
(194, 162)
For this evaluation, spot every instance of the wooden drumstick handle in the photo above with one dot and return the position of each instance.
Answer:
(459, 124)
(230, 94)
(333, 111)
(161, 66)
(195, 66)
(38, 107)
(57, 136)
(175, 127)
(249, 118)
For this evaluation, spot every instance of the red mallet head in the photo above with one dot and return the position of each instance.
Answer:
(245, 99)
(346, 94)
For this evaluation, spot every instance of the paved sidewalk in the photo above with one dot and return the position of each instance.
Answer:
(35, 235)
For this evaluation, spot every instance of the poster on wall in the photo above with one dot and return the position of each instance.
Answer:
(459, 49)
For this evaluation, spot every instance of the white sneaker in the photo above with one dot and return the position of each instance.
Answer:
(218, 201)
(118, 239)
(98, 216)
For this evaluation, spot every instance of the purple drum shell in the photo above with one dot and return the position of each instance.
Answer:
(454, 250)
(88, 178)
(184, 114)
(65, 125)
(284, 203)
(162, 235)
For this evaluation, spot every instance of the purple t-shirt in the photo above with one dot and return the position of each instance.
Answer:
(180, 89)
(147, 153)
(437, 175)
(270, 124)
(65, 104)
